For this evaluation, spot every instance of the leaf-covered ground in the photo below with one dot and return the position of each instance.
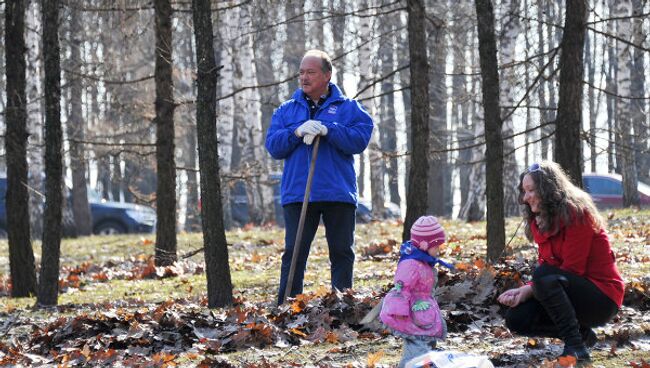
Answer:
(116, 308)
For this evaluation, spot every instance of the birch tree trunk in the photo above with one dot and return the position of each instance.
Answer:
(76, 133)
(48, 287)
(590, 55)
(417, 192)
(164, 121)
(493, 129)
(387, 105)
(613, 160)
(373, 154)
(34, 108)
(248, 126)
(21, 255)
(545, 114)
(460, 101)
(294, 47)
(226, 108)
(511, 28)
(338, 23)
(623, 11)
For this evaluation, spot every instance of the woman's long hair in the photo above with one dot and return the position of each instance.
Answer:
(560, 200)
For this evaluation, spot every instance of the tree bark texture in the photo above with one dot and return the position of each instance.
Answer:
(626, 147)
(387, 105)
(21, 254)
(493, 125)
(164, 121)
(76, 133)
(639, 116)
(568, 123)
(214, 236)
(48, 288)
(417, 192)
(439, 183)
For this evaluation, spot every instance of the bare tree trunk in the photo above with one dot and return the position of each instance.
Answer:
(460, 101)
(164, 121)
(511, 29)
(474, 208)
(638, 106)
(338, 25)
(294, 47)
(439, 183)
(21, 254)
(48, 288)
(34, 109)
(417, 192)
(612, 88)
(226, 107)
(373, 154)
(247, 124)
(528, 151)
(568, 124)
(623, 10)
(591, 99)
(551, 112)
(544, 113)
(214, 236)
(387, 116)
(493, 127)
(76, 133)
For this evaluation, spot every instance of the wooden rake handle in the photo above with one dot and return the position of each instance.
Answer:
(301, 222)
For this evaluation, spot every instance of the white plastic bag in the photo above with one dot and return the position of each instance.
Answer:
(449, 359)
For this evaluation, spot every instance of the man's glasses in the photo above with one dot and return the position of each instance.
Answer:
(534, 168)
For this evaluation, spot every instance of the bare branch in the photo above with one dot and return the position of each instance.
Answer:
(108, 81)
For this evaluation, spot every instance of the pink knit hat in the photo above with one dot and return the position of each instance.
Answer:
(426, 232)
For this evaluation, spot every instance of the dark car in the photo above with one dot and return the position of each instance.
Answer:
(108, 217)
(239, 205)
(607, 190)
(120, 217)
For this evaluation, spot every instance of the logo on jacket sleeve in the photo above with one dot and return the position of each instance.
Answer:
(332, 110)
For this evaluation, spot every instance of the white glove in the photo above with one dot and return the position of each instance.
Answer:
(308, 139)
(312, 127)
(323, 129)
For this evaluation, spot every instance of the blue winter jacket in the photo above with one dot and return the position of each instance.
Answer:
(349, 127)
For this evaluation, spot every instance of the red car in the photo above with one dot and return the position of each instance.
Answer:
(607, 190)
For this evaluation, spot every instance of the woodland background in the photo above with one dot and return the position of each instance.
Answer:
(163, 103)
(108, 93)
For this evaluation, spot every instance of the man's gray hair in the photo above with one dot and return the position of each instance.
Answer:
(326, 61)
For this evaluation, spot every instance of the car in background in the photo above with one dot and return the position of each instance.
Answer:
(239, 205)
(120, 217)
(607, 190)
(107, 217)
(364, 211)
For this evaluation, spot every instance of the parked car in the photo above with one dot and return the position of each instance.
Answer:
(239, 205)
(107, 217)
(607, 190)
(120, 217)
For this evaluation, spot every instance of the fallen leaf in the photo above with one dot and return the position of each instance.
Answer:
(374, 358)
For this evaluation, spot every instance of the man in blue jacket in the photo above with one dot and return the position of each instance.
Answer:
(344, 127)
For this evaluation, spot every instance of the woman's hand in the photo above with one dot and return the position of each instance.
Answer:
(514, 297)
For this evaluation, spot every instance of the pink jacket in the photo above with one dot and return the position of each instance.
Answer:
(410, 307)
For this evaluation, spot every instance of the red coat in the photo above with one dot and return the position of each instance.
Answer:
(579, 249)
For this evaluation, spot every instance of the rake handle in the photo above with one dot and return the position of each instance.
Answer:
(301, 222)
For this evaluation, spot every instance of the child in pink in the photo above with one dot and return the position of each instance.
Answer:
(410, 309)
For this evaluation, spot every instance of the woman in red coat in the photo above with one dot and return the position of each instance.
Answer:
(576, 285)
